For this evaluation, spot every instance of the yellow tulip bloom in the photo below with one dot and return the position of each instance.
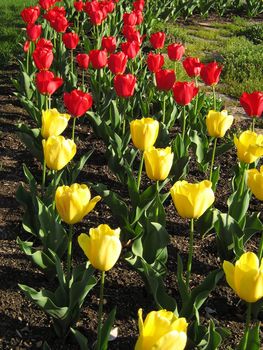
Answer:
(158, 162)
(246, 277)
(218, 123)
(249, 146)
(255, 182)
(102, 246)
(74, 202)
(144, 132)
(161, 330)
(58, 151)
(192, 200)
(53, 123)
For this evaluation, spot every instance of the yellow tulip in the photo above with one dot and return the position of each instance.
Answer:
(246, 277)
(161, 330)
(255, 182)
(102, 246)
(74, 202)
(58, 151)
(192, 200)
(249, 146)
(218, 123)
(158, 162)
(144, 132)
(53, 123)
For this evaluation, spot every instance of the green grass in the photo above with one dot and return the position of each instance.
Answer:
(11, 26)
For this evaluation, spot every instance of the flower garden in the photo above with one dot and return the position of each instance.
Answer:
(136, 194)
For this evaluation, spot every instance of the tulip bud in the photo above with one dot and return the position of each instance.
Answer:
(53, 123)
(252, 103)
(249, 146)
(144, 132)
(74, 202)
(255, 182)
(167, 331)
(102, 246)
(246, 277)
(158, 163)
(218, 123)
(192, 200)
(210, 73)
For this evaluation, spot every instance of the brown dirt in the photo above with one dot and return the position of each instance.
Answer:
(25, 326)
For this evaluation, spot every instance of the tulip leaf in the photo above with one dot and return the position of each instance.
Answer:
(238, 204)
(80, 338)
(106, 329)
(200, 145)
(212, 339)
(253, 339)
(76, 168)
(253, 225)
(32, 140)
(30, 179)
(184, 294)
(205, 223)
(215, 177)
(114, 114)
(220, 149)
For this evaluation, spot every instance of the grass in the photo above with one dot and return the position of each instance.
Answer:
(236, 43)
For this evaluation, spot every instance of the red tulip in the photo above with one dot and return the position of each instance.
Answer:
(33, 31)
(124, 85)
(127, 31)
(43, 43)
(97, 17)
(184, 92)
(129, 19)
(155, 62)
(30, 14)
(139, 17)
(109, 43)
(175, 51)
(78, 6)
(210, 73)
(51, 15)
(77, 102)
(165, 79)
(157, 40)
(60, 24)
(117, 62)
(70, 40)
(98, 58)
(92, 6)
(192, 66)
(43, 58)
(138, 5)
(252, 103)
(46, 4)
(26, 46)
(83, 60)
(130, 48)
(47, 83)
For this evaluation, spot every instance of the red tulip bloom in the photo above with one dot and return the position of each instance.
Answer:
(98, 58)
(43, 58)
(26, 46)
(77, 102)
(192, 66)
(97, 17)
(127, 31)
(139, 17)
(46, 4)
(210, 73)
(252, 103)
(47, 83)
(175, 51)
(60, 24)
(124, 85)
(130, 48)
(78, 6)
(184, 92)
(30, 14)
(157, 40)
(138, 5)
(70, 40)
(43, 43)
(92, 6)
(52, 14)
(33, 31)
(155, 62)
(129, 19)
(165, 79)
(83, 60)
(117, 62)
(109, 43)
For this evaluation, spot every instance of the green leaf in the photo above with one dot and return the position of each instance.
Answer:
(206, 222)
(106, 329)
(213, 338)
(80, 338)
(184, 294)
(238, 204)
(76, 169)
(253, 340)
(200, 145)
(114, 114)
(32, 140)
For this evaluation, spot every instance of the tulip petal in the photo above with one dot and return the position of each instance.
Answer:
(83, 241)
(229, 270)
(171, 341)
(92, 204)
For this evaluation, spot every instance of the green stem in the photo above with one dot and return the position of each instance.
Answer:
(260, 249)
(244, 168)
(164, 105)
(253, 123)
(27, 62)
(73, 129)
(83, 80)
(72, 61)
(196, 98)
(157, 195)
(213, 160)
(70, 234)
(100, 309)
(54, 190)
(190, 253)
(248, 319)
(175, 66)
(214, 96)
(184, 123)
(44, 175)
(140, 173)
(49, 101)
(46, 100)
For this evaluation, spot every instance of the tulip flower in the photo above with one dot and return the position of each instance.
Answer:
(138, 5)
(43, 43)
(175, 51)
(59, 24)
(46, 4)
(124, 85)
(83, 60)
(53, 123)
(117, 62)
(43, 58)
(144, 132)
(33, 31)
(158, 163)
(129, 19)
(77, 102)
(255, 182)
(30, 14)
(78, 5)
(249, 146)
(70, 40)
(128, 31)
(253, 105)
(102, 247)
(161, 330)
(192, 66)
(191, 201)
(58, 152)
(47, 83)
(210, 73)
(157, 40)
(155, 62)
(184, 92)
(98, 58)
(139, 17)
(130, 48)
(109, 43)
(165, 79)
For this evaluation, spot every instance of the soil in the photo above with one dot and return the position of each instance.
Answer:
(22, 324)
